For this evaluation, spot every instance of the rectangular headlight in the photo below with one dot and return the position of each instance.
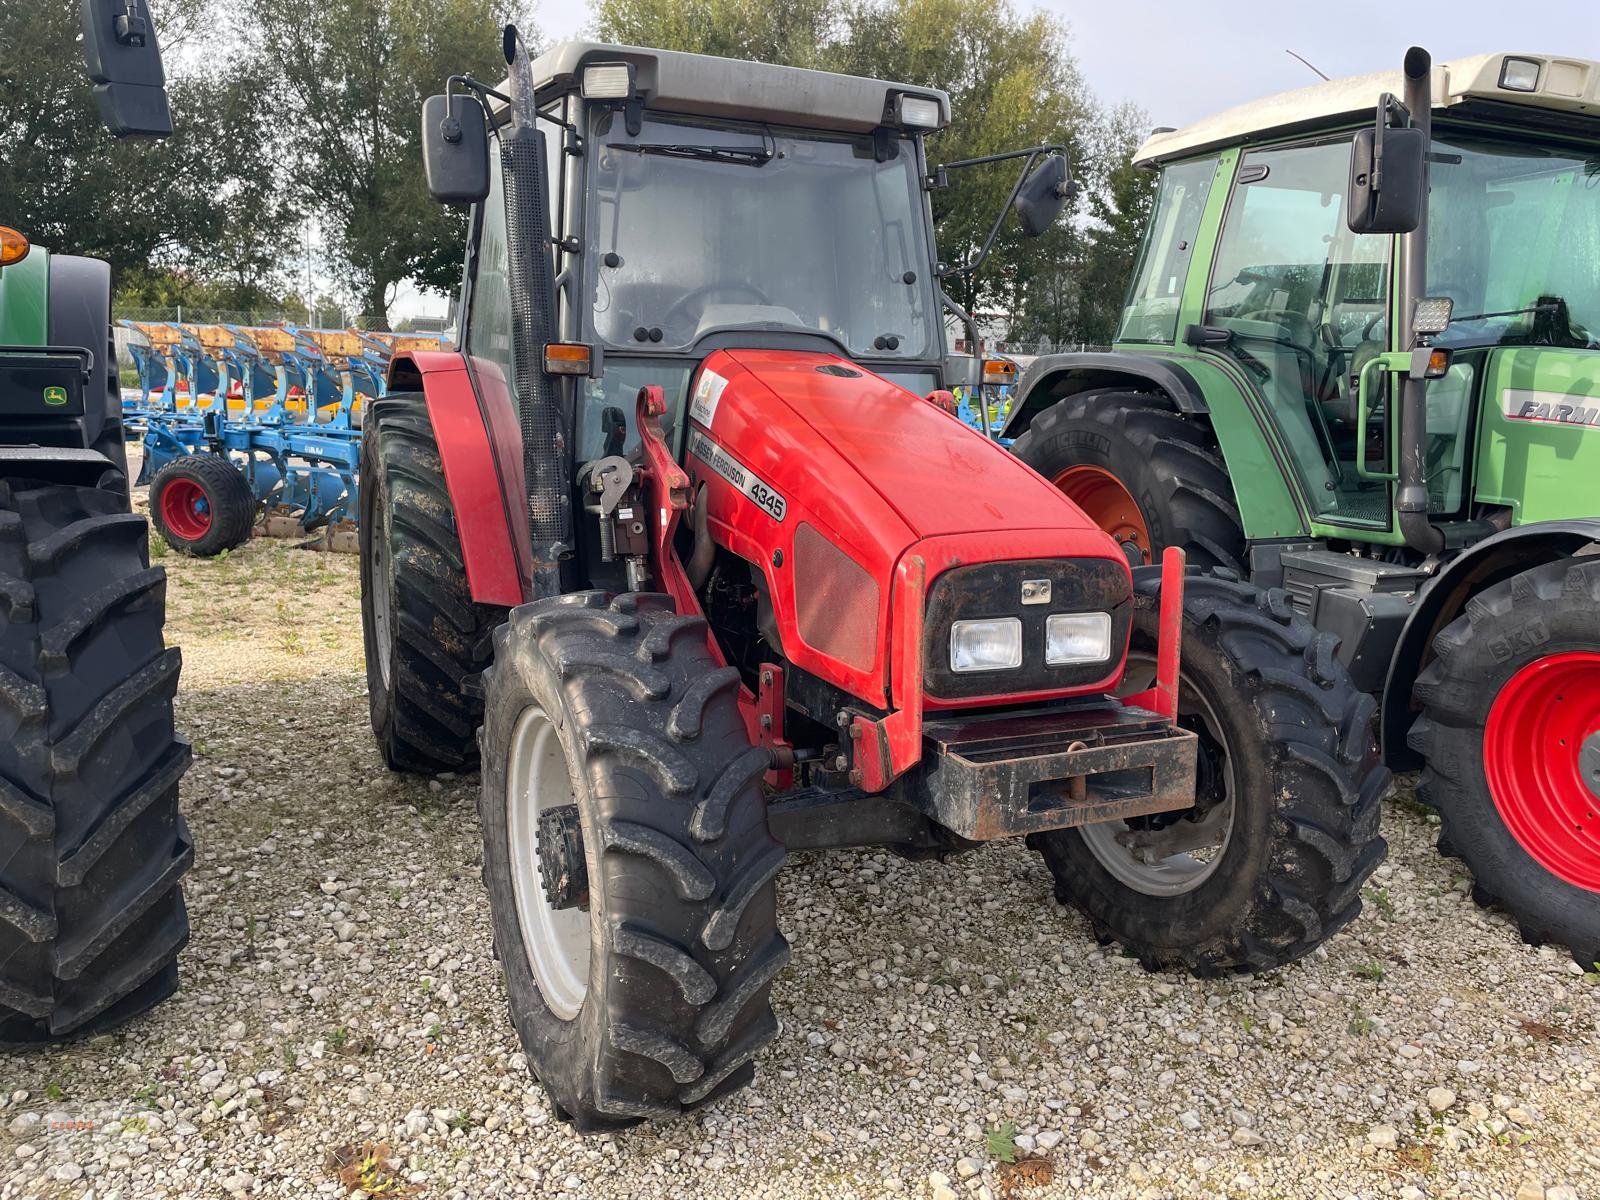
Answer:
(989, 645)
(1077, 638)
(1520, 74)
(608, 81)
(920, 111)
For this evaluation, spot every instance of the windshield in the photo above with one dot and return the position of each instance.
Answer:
(696, 226)
(1514, 240)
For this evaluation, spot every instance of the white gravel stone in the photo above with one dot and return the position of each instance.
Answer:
(372, 1009)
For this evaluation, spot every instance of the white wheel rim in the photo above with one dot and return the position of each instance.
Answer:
(1180, 873)
(556, 940)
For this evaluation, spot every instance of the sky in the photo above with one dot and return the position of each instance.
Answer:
(1180, 59)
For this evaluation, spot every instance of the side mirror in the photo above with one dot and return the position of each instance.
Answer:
(1388, 179)
(124, 62)
(1043, 195)
(455, 149)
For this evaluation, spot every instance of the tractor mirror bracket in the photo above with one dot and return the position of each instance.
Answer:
(1388, 173)
(123, 58)
(455, 148)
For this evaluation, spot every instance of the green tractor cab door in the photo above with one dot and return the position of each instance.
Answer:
(1297, 302)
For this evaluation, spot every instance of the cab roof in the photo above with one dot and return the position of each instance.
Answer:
(703, 85)
(1569, 86)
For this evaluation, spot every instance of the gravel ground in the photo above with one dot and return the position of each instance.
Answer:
(342, 1025)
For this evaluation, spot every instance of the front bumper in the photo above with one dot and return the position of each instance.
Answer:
(988, 777)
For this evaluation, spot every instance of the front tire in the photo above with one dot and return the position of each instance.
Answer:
(1510, 738)
(617, 771)
(1146, 474)
(424, 636)
(91, 843)
(1270, 862)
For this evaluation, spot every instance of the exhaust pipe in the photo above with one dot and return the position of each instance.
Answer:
(1411, 494)
(545, 440)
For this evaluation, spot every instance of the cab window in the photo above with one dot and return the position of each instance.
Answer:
(1151, 314)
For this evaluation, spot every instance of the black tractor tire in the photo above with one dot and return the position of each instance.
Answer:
(681, 904)
(91, 843)
(1168, 462)
(426, 640)
(1306, 782)
(220, 487)
(1549, 610)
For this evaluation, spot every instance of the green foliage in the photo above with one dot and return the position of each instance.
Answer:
(1001, 1142)
(187, 200)
(350, 77)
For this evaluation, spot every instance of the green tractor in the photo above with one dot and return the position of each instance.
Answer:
(1360, 363)
(91, 843)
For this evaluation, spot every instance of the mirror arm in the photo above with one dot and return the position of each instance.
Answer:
(971, 268)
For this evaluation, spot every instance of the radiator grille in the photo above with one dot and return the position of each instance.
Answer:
(836, 600)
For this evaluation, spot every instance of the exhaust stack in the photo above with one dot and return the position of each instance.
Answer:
(545, 434)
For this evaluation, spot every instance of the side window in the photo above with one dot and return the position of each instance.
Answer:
(1151, 314)
(489, 312)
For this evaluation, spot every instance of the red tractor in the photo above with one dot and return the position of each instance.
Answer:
(679, 546)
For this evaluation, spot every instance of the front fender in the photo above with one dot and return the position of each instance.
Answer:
(1441, 601)
(480, 445)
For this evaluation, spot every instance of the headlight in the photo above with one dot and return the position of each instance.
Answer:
(608, 81)
(1077, 638)
(992, 645)
(921, 111)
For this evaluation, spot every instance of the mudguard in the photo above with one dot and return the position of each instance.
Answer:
(480, 444)
(1485, 563)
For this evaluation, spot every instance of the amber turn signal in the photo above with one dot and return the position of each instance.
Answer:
(14, 246)
(567, 358)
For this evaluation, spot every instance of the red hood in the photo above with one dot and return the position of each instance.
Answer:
(940, 476)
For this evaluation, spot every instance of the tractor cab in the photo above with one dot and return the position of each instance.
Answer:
(1301, 299)
(698, 204)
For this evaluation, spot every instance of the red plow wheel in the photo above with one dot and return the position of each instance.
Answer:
(186, 509)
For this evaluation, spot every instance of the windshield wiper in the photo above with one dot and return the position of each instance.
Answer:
(1543, 306)
(750, 156)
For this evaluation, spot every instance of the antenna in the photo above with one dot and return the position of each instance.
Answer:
(1301, 59)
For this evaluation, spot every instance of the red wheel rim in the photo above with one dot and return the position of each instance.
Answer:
(1541, 754)
(186, 509)
(1109, 504)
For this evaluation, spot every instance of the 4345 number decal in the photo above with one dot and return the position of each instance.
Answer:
(765, 497)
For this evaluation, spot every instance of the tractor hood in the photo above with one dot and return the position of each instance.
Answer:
(833, 483)
(833, 418)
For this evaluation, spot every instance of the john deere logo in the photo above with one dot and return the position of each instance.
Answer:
(55, 395)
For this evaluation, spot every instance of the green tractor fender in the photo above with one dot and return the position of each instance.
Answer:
(1483, 565)
(1054, 377)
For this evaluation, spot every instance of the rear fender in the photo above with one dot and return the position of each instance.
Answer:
(480, 444)
(1442, 601)
(1057, 376)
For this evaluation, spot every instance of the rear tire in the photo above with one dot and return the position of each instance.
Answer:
(667, 1006)
(1168, 464)
(91, 843)
(1290, 775)
(424, 636)
(1544, 621)
(201, 504)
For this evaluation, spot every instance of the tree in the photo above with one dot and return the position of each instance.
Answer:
(1119, 208)
(351, 77)
(193, 198)
(797, 33)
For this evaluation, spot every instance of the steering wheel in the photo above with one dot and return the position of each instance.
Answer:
(683, 302)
